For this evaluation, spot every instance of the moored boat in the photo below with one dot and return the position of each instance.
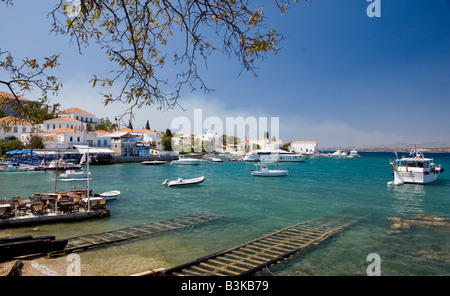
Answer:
(61, 165)
(265, 172)
(415, 170)
(110, 195)
(71, 174)
(275, 156)
(186, 161)
(153, 162)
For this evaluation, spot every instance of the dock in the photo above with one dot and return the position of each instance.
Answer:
(90, 241)
(253, 256)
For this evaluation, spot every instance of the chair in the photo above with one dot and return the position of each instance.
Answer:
(37, 208)
(21, 206)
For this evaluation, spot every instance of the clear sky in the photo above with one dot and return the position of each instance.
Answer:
(341, 78)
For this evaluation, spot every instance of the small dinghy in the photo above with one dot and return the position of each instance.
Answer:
(183, 182)
(109, 195)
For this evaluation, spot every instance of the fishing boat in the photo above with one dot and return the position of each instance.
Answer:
(183, 182)
(110, 195)
(153, 162)
(415, 170)
(71, 174)
(186, 161)
(265, 172)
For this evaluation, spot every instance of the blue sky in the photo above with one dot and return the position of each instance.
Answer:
(341, 78)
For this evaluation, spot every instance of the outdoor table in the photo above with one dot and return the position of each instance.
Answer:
(66, 206)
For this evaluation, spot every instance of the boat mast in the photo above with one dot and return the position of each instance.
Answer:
(87, 168)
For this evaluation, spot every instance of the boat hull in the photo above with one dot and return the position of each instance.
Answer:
(183, 183)
(270, 173)
(414, 178)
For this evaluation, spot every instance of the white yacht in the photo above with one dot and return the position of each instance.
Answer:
(415, 170)
(354, 154)
(339, 154)
(186, 161)
(274, 156)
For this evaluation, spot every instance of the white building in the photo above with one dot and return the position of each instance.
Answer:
(15, 127)
(248, 145)
(63, 138)
(63, 122)
(304, 147)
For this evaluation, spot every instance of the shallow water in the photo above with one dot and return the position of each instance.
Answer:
(256, 206)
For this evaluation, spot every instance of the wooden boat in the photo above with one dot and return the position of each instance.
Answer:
(153, 162)
(183, 182)
(11, 247)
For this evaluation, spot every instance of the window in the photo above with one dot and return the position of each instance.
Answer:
(71, 139)
(105, 143)
(15, 129)
(78, 139)
(24, 129)
(99, 143)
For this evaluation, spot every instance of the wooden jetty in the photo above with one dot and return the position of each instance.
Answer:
(90, 241)
(257, 254)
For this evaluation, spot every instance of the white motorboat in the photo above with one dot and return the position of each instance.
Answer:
(216, 159)
(186, 161)
(183, 182)
(14, 168)
(415, 170)
(353, 154)
(274, 156)
(110, 195)
(153, 162)
(265, 172)
(62, 165)
(71, 174)
(339, 154)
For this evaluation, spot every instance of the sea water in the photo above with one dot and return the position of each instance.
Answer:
(255, 206)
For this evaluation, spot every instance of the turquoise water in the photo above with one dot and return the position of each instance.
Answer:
(256, 206)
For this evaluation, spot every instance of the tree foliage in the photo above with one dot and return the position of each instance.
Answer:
(134, 34)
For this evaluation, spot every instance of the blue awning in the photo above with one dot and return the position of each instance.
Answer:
(14, 152)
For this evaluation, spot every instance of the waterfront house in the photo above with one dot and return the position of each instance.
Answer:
(63, 122)
(63, 138)
(304, 147)
(124, 143)
(79, 114)
(11, 126)
(10, 105)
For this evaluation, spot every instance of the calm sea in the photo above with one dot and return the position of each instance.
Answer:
(257, 206)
